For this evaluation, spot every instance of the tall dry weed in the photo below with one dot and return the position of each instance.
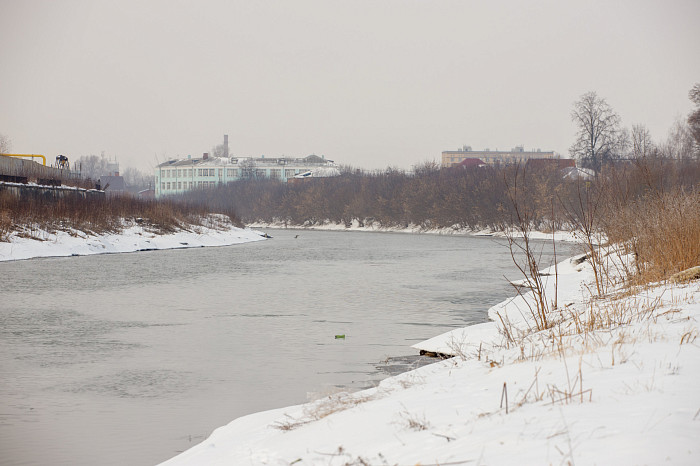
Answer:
(662, 231)
(95, 214)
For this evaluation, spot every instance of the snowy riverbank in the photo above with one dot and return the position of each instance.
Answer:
(614, 381)
(413, 229)
(215, 231)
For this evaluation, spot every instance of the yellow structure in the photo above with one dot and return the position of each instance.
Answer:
(27, 155)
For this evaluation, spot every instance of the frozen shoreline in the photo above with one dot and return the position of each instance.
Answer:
(625, 394)
(217, 231)
(415, 229)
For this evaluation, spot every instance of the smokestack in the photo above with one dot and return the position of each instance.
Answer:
(205, 156)
(226, 145)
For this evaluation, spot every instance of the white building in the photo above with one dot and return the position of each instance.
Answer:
(516, 155)
(178, 176)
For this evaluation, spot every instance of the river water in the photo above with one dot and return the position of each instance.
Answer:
(132, 358)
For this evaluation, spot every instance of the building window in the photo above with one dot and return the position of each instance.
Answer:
(168, 185)
(275, 173)
(179, 185)
(190, 185)
(289, 173)
(162, 186)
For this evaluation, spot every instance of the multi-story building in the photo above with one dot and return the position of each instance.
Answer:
(178, 176)
(515, 155)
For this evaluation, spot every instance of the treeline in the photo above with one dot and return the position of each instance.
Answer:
(29, 213)
(479, 197)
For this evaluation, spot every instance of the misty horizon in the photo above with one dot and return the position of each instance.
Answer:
(367, 84)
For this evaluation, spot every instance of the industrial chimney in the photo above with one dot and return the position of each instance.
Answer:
(226, 145)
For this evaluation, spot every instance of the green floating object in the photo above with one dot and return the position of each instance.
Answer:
(340, 337)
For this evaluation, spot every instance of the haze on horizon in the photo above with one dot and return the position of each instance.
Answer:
(365, 83)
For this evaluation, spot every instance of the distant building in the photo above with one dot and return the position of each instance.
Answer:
(543, 164)
(470, 162)
(488, 157)
(178, 176)
(574, 173)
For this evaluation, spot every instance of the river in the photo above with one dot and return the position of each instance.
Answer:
(132, 358)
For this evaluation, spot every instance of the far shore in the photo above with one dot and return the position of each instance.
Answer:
(560, 235)
(132, 238)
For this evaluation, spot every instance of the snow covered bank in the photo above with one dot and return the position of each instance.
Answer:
(618, 390)
(415, 229)
(134, 237)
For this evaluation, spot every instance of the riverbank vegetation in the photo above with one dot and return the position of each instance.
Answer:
(431, 197)
(95, 214)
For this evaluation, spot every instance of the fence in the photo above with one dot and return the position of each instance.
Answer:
(32, 191)
(34, 172)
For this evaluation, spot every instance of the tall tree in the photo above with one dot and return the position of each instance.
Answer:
(136, 179)
(642, 145)
(694, 118)
(598, 131)
(680, 142)
(91, 166)
(5, 144)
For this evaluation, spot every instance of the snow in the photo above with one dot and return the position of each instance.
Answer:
(134, 237)
(624, 393)
(415, 229)
(621, 393)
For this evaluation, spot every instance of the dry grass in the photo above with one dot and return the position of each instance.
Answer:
(662, 231)
(413, 421)
(322, 408)
(94, 214)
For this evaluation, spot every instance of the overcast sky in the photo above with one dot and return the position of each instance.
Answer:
(366, 83)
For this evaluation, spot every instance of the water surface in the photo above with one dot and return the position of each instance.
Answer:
(132, 358)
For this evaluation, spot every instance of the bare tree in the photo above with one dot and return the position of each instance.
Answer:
(218, 151)
(623, 144)
(642, 145)
(598, 135)
(136, 179)
(247, 167)
(694, 118)
(5, 144)
(680, 143)
(91, 166)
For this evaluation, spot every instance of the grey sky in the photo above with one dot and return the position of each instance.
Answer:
(367, 83)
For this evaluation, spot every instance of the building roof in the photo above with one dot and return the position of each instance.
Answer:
(259, 161)
(112, 183)
(471, 162)
(578, 173)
